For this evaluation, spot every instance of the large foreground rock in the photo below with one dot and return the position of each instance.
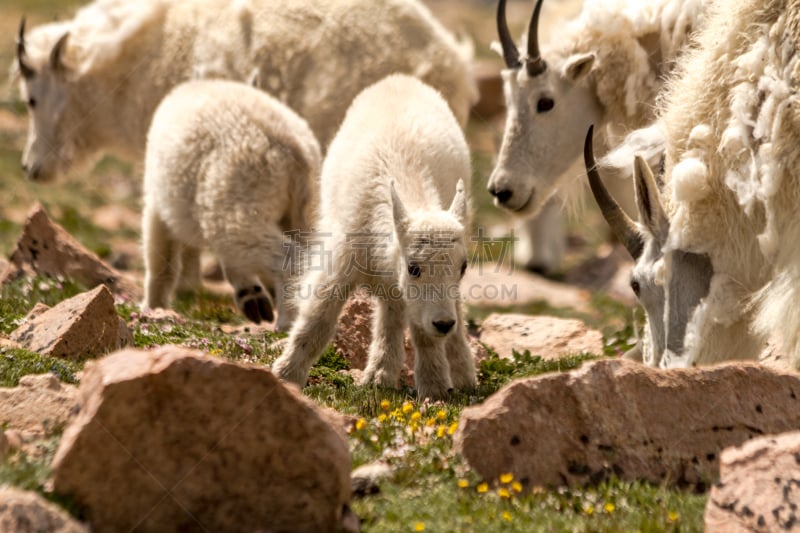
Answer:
(27, 512)
(85, 325)
(174, 440)
(47, 249)
(617, 417)
(547, 336)
(759, 488)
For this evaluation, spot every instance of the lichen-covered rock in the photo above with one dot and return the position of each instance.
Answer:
(547, 336)
(759, 486)
(39, 406)
(45, 248)
(617, 417)
(175, 440)
(85, 325)
(27, 512)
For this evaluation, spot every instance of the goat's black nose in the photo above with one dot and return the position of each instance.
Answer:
(503, 195)
(443, 326)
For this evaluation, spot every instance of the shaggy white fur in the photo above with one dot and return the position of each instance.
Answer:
(731, 117)
(398, 160)
(603, 68)
(229, 168)
(122, 57)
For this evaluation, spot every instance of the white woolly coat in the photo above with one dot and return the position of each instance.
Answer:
(732, 119)
(314, 56)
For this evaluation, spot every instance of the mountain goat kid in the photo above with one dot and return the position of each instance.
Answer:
(604, 68)
(231, 168)
(398, 160)
(717, 266)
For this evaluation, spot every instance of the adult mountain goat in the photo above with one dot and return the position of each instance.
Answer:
(93, 83)
(717, 263)
(230, 168)
(604, 68)
(396, 163)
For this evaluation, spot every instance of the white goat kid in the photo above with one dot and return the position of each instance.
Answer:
(230, 168)
(718, 270)
(397, 161)
(92, 83)
(605, 68)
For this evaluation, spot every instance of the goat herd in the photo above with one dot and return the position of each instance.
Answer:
(268, 127)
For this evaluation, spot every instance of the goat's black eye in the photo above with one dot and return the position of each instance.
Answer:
(31, 102)
(463, 268)
(544, 105)
(413, 270)
(635, 287)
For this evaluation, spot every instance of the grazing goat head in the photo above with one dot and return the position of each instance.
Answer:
(669, 283)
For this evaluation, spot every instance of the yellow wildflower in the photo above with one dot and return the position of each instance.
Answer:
(452, 429)
(507, 516)
(440, 431)
(609, 507)
(416, 416)
(483, 487)
(407, 407)
(361, 424)
(516, 486)
(382, 418)
(506, 478)
(673, 516)
(430, 422)
(413, 426)
(441, 415)
(419, 526)
(589, 509)
(463, 483)
(386, 405)
(503, 493)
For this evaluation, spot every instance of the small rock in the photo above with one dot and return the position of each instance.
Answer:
(40, 405)
(84, 325)
(491, 285)
(27, 512)
(759, 487)
(366, 479)
(47, 249)
(175, 440)
(616, 417)
(546, 336)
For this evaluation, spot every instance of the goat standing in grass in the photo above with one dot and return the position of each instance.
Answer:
(229, 168)
(396, 164)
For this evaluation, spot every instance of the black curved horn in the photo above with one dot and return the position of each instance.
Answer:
(534, 63)
(24, 69)
(510, 52)
(621, 224)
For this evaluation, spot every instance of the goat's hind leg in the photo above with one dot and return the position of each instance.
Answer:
(161, 259)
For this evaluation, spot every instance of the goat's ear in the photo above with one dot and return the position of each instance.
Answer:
(400, 215)
(57, 55)
(578, 66)
(648, 200)
(458, 207)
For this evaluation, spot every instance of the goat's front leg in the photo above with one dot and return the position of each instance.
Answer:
(313, 328)
(386, 350)
(431, 369)
(459, 354)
